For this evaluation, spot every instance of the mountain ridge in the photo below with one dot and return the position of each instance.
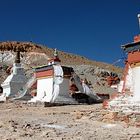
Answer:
(66, 58)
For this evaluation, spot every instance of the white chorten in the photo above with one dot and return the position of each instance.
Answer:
(16, 80)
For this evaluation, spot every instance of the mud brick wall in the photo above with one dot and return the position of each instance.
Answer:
(131, 119)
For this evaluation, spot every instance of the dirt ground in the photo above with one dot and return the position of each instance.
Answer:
(71, 122)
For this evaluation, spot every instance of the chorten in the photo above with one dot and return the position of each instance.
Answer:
(16, 80)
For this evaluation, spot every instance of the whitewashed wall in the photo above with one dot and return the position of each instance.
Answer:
(45, 88)
(136, 83)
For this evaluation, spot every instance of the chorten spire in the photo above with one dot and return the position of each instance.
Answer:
(17, 59)
(55, 59)
(55, 53)
(139, 20)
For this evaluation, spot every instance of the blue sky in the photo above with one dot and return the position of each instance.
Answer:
(92, 28)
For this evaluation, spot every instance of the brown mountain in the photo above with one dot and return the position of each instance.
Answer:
(66, 58)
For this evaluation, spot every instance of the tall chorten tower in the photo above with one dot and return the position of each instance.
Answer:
(16, 80)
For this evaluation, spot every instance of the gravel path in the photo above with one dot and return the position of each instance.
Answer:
(80, 122)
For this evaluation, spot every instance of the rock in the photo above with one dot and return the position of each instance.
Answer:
(26, 126)
(79, 115)
(110, 116)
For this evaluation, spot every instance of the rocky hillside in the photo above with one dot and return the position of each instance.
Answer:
(66, 58)
(36, 55)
